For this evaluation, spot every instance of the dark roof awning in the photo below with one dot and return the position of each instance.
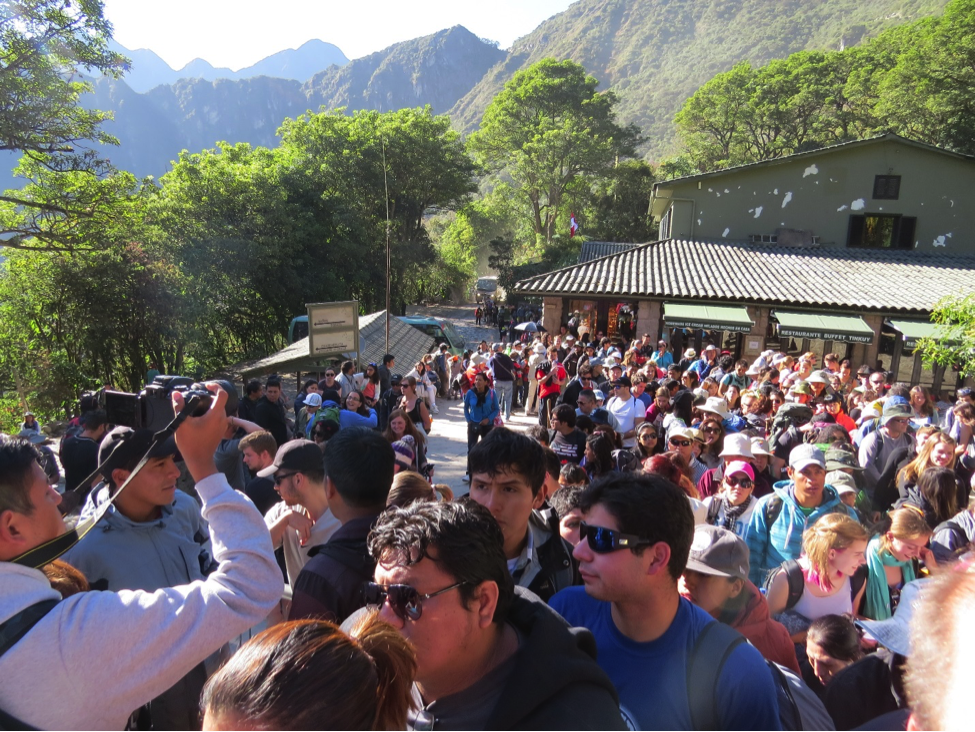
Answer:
(732, 319)
(847, 328)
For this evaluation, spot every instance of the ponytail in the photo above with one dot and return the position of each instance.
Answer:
(395, 663)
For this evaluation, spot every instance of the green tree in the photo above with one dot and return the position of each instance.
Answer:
(955, 345)
(547, 131)
(71, 194)
(406, 165)
(620, 208)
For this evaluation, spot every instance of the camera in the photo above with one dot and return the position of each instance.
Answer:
(152, 408)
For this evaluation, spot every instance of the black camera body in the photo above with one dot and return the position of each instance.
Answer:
(152, 408)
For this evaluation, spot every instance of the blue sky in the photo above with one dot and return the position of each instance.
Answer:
(237, 33)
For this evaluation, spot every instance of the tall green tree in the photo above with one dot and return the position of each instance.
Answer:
(404, 165)
(71, 194)
(548, 131)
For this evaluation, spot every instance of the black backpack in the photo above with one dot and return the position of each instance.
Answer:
(799, 708)
(797, 584)
(11, 631)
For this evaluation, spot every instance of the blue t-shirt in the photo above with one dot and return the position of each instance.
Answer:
(651, 677)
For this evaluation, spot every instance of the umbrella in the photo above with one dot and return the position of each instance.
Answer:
(530, 327)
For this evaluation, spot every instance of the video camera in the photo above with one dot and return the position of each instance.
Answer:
(152, 408)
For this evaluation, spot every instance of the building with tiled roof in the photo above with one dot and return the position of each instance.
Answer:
(597, 249)
(844, 249)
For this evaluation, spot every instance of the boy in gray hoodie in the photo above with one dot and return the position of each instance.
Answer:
(97, 656)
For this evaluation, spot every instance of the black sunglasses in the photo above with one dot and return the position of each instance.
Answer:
(679, 442)
(603, 541)
(279, 477)
(404, 600)
(744, 483)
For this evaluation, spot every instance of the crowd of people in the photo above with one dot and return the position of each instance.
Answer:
(679, 543)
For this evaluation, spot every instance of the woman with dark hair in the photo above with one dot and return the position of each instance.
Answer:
(598, 460)
(832, 644)
(355, 402)
(936, 494)
(481, 408)
(370, 385)
(647, 440)
(308, 674)
(412, 403)
(309, 387)
(712, 431)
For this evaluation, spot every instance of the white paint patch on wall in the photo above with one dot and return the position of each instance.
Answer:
(843, 207)
(939, 242)
(775, 191)
(811, 170)
(788, 197)
(858, 205)
(758, 211)
(725, 233)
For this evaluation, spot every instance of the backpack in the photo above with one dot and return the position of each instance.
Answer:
(11, 631)
(332, 412)
(791, 415)
(797, 584)
(799, 707)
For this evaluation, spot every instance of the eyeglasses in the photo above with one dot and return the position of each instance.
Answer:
(679, 442)
(711, 430)
(648, 436)
(744, 483)
(279, 477)
(604, 541)
(329, 375)
(404, 600)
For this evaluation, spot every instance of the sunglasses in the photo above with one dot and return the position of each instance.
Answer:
(648, 436)
(679, 442)
(604, 541)
(711, 430)
(329, 375)
(745, 483)
(279, 477)
(404, 600)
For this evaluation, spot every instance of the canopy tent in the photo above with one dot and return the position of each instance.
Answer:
(406, 343)
(847, 328)
(732, 319)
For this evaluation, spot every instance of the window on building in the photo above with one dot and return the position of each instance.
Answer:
(886, 187)
(878, 231)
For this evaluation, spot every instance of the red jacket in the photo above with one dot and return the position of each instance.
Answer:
(769, 636)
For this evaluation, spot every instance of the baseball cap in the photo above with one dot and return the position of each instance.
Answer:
(623, 381)
(802, 456)
(740, 466)
(841, 482)
(302, 456)
(313, 400)
(716, 551)
(124, 445)
(396, 379)
(832, 399)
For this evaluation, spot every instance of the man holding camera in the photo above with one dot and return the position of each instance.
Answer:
(94, 657)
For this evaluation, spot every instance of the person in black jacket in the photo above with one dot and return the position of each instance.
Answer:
(507, 474)
(489, 656)
(270, 414)
(358, 475)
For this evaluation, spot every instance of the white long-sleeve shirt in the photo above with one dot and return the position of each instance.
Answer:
(97, 656)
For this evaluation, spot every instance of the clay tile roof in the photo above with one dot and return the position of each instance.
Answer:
(833, 277)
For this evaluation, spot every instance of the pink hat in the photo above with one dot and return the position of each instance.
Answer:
(740, 466)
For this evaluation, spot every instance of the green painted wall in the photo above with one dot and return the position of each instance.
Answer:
(818, 193)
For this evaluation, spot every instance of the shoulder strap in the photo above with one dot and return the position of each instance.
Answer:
(714, 508)
(797, 583)
(711, 651)
(857, 580)
(15, 628)
(773, 509)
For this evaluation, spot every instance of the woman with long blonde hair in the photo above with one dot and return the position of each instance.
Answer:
(892, 560)
(833, 549)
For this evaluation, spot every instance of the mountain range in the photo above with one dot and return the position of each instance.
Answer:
(149, 70)
(652, 53)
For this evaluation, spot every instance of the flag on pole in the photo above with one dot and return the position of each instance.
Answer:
(573, 226)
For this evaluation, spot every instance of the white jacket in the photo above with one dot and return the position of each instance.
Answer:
(97, 656)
